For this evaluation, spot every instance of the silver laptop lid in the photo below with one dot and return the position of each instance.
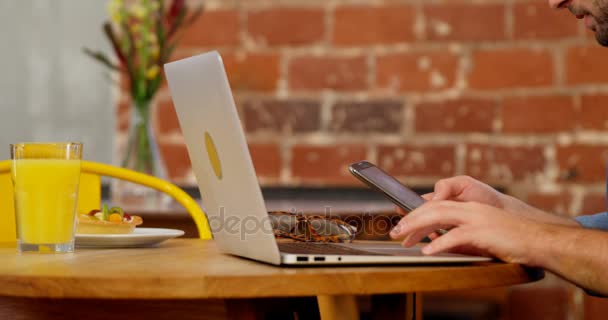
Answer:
(220, 157)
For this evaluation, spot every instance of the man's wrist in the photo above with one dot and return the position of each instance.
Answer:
(552, 246)
(540, 244)
(546, 217)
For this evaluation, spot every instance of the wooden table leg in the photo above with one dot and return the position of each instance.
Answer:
(397, 306)
(272, 308)
(338, 307)
(386, 306)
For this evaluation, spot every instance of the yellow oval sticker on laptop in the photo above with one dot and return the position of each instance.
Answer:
(214, 159)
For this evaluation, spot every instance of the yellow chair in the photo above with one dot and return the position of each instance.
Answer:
(89, 195)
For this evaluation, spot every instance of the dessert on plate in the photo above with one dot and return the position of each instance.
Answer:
(107, 221)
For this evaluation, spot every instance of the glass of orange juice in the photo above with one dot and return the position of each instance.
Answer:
(45, 182)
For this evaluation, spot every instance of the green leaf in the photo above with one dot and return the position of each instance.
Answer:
(130, 58)
(107, 28)
(168, 51)
(153, 85)
(105, 212)
(100, 57)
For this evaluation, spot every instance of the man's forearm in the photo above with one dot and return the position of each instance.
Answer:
(577, 254)
(519, 207)
(546, 217)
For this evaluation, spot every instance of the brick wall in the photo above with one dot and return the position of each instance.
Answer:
(507, 91)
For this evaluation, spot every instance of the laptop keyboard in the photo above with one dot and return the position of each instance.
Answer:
(323, 249)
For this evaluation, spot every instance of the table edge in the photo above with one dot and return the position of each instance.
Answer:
(228, 286)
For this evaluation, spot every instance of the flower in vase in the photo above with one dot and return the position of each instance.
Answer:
(143, 35)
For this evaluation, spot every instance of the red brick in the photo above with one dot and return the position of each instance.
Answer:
(582, 163)
(540, 303)
(543, 114)
(325, 165)
(462, 21)
(593, 203)
(533, 20)
(503, 164)
(417, 161)
(595, 308)
(177, 161)
(364, 25)
(367, 117)
(183, 53)
(585, 65)
(167, 118)
(338, 73)
(266, 160)
(253, 71)
(282, 116)
(558, 203)
(458, 116)
(286, 26)
(594, 112)
(424, 71)
(511, 68)
(214, 28)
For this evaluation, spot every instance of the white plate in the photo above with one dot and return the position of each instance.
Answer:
(141, 237)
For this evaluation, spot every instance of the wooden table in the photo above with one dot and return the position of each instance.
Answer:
(172, 280)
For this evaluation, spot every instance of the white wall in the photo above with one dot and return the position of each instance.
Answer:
(49, 90)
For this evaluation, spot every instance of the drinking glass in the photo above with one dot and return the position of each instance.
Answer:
(45, 180)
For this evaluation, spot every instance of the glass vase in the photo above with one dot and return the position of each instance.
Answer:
(142, 154)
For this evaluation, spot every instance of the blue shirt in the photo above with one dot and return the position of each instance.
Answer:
(596, 221)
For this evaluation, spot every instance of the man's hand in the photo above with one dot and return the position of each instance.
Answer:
(477, 228)
(576, 254)
(467, 189)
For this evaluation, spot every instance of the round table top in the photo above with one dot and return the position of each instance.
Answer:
(194, 269)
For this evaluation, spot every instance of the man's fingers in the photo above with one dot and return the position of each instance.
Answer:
(451, 188)
(417, 236)
(431, 216)
(428, 196)
(469, 250)
(453, 239)
(400, 210)
(434, 235)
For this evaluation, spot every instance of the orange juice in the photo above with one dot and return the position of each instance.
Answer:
(8, 238)
(46, 192)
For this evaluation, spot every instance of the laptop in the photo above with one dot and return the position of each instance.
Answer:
(228, 183)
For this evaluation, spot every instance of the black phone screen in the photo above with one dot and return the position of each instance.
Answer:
(397, 192)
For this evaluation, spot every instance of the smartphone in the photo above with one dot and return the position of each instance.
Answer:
(389, 186)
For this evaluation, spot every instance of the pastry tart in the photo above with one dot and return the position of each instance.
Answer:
(107, 221)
